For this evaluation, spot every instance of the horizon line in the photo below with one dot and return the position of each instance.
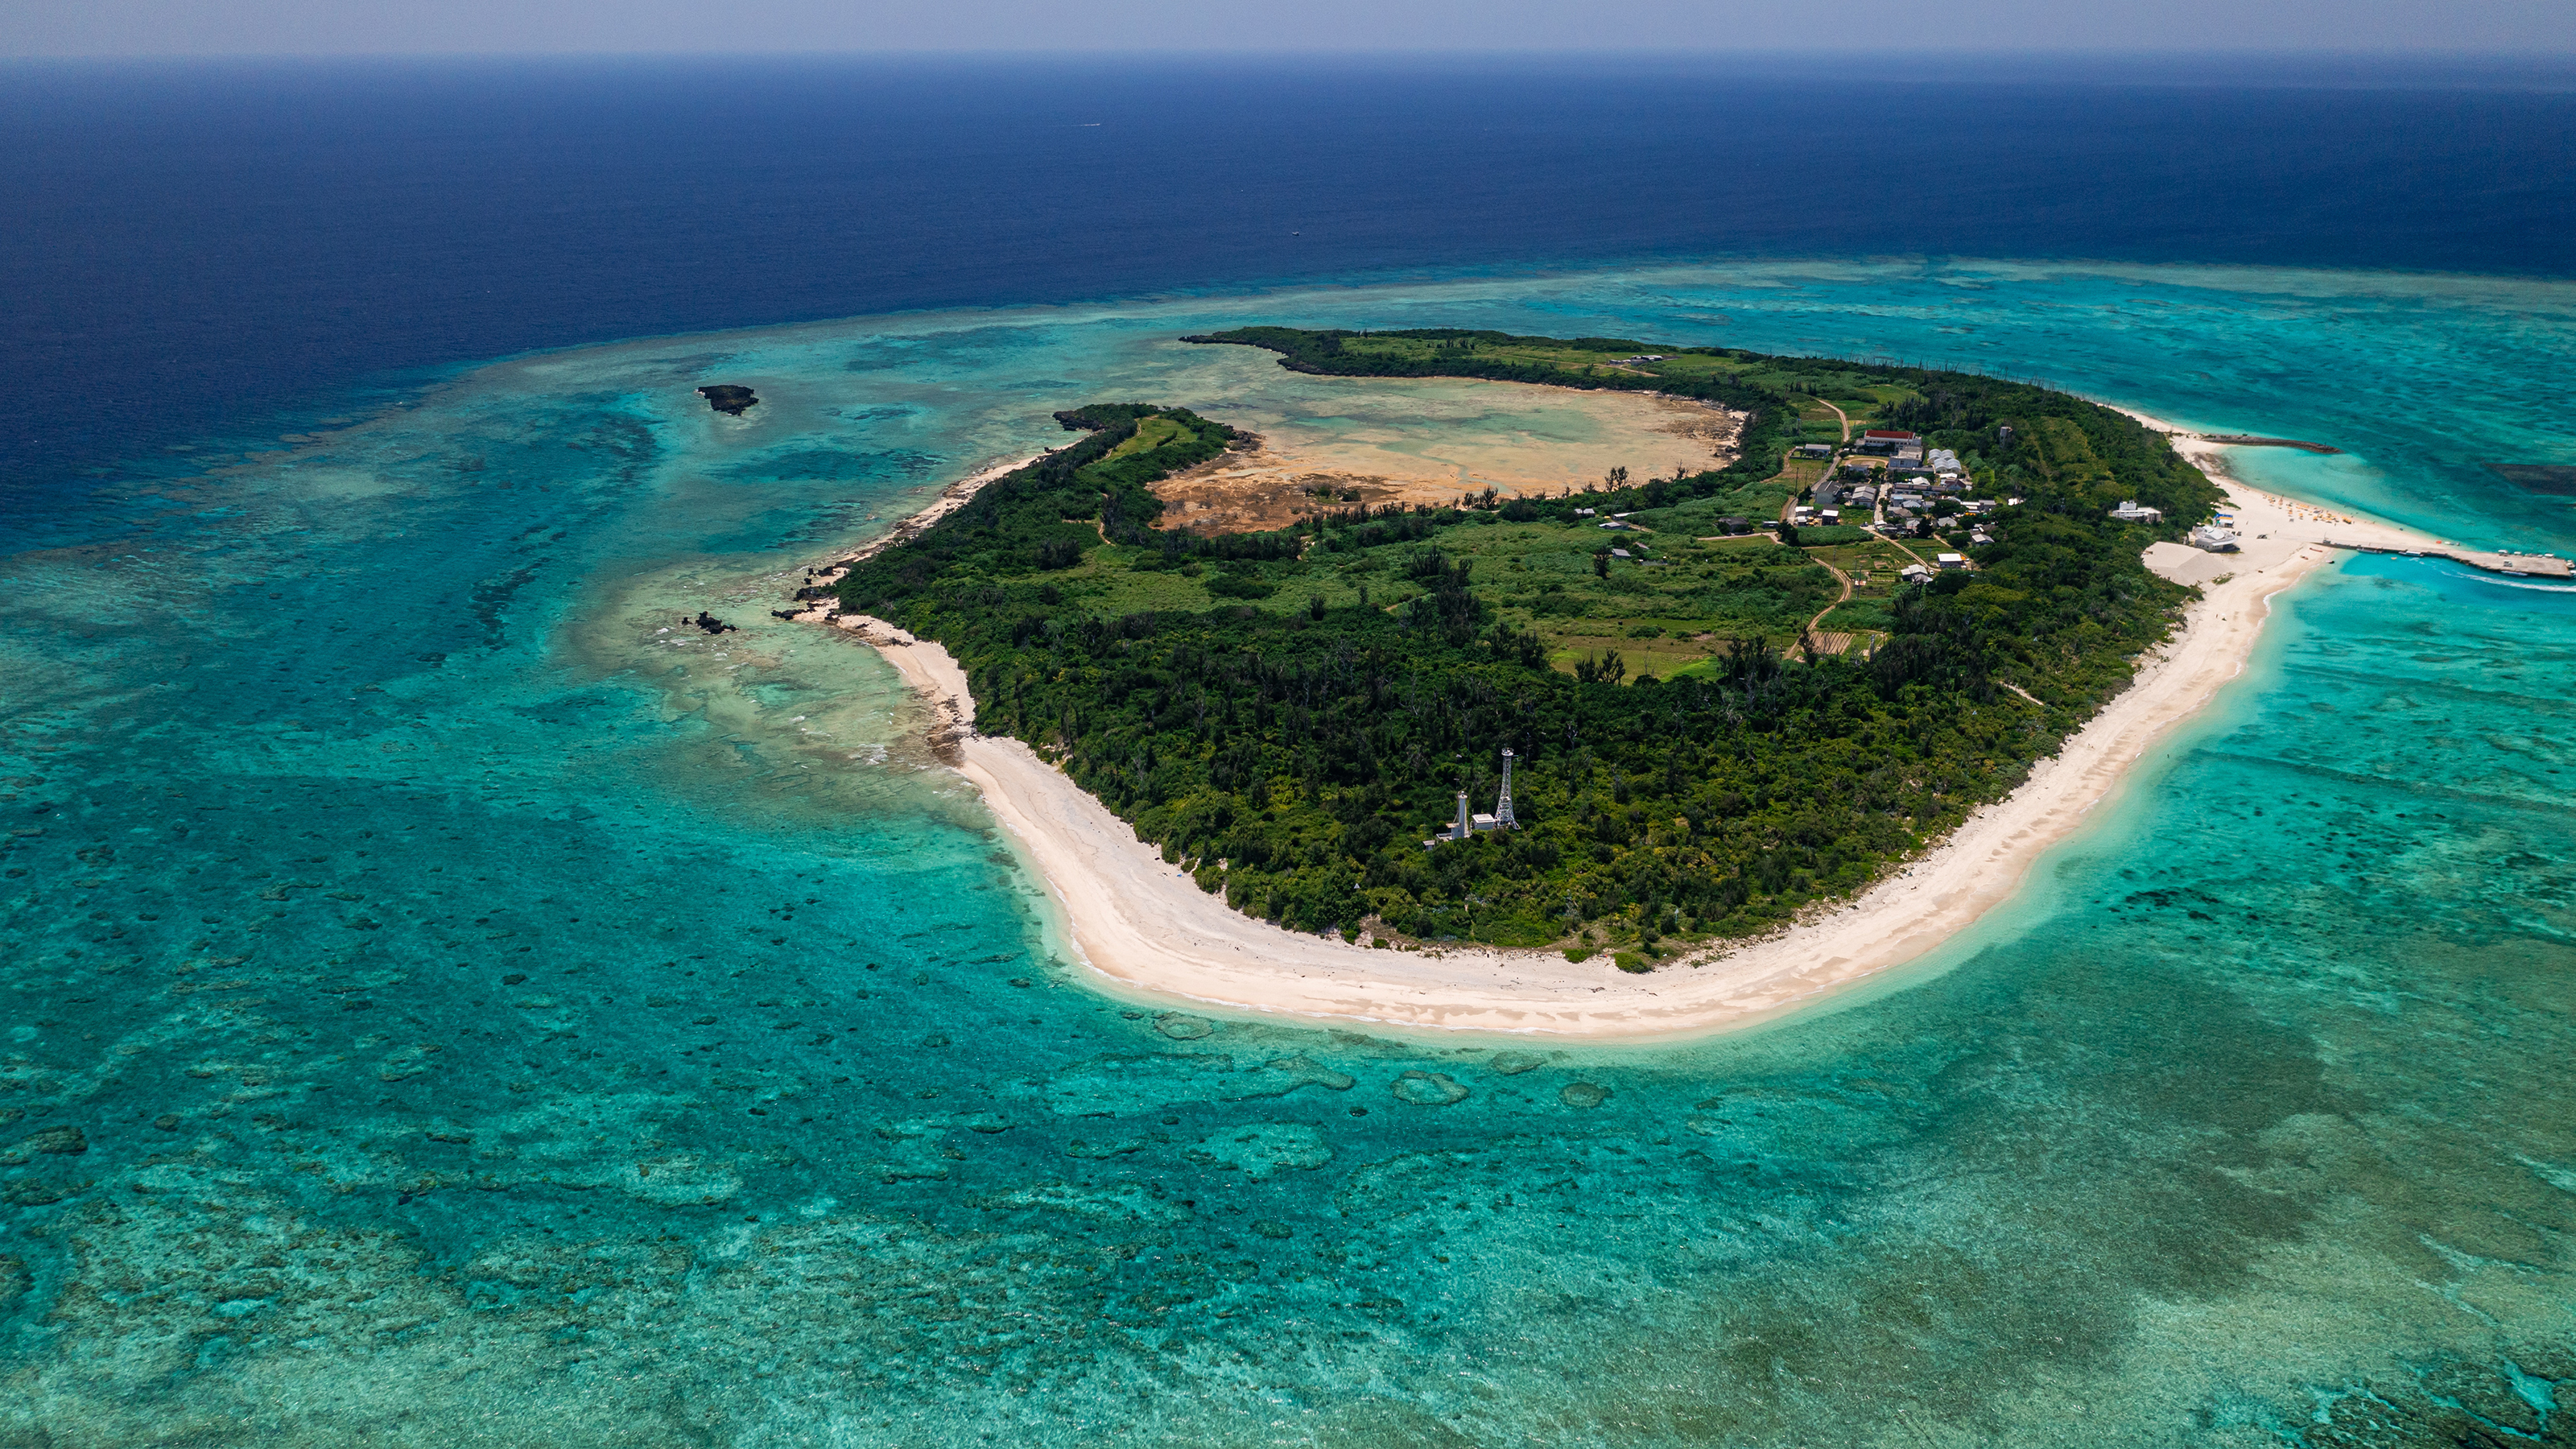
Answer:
(1669, 55)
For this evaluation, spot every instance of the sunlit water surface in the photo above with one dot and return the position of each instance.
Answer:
(447, 1009)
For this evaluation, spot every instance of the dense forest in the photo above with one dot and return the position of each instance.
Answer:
(1300, 715)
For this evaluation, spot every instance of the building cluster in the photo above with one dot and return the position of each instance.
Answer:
(1901, 483)
(1909, 502)
(1836, 499)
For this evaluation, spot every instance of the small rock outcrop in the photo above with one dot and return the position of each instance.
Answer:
(728, 397)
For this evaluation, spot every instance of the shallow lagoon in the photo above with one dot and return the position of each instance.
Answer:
(445, 1007)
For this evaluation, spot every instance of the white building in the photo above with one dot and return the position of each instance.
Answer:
(2131, 511)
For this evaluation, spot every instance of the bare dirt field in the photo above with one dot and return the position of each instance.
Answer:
(1381, 441)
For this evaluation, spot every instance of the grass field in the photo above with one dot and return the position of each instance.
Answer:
(1150, 434)
(1678, 600)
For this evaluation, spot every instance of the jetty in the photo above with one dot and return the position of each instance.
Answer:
(2518, 565)
(2248, 440)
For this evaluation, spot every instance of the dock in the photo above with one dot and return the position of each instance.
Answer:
(2517, 565)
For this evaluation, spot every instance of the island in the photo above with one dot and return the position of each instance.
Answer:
(1725, 700)
(730, 398)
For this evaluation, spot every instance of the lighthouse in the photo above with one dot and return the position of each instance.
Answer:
(1467, 824)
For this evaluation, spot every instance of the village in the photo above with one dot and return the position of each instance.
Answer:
(1889, 482)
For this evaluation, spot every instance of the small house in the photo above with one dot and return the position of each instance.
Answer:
(2132, 511)
(1951, 560)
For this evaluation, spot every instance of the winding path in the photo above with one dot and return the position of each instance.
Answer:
(1846, 417)
(1844, 598)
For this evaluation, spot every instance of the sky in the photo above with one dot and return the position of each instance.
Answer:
(144, 28)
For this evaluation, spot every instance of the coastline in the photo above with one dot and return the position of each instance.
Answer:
(1145, 929)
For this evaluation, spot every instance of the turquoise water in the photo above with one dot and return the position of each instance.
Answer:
(446, 1010)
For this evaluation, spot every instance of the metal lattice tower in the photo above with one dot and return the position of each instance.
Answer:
(1503, 806)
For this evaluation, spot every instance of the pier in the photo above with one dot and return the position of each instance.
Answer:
(2520, 565)
(2248, 440)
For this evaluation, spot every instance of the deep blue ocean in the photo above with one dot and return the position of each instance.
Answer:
(440, 1010)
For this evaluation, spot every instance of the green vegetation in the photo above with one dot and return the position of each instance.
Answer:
(1289, 714)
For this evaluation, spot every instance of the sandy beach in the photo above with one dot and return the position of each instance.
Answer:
(1145, 929)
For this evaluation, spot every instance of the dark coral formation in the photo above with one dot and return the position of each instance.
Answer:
(728, 397)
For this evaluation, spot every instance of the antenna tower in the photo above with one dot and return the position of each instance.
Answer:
(1503, 807)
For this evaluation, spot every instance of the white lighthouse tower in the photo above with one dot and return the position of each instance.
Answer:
(1467, 824)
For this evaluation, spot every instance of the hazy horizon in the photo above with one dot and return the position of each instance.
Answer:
(108, 29)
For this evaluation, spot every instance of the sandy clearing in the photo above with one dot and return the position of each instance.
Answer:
(1386, 441)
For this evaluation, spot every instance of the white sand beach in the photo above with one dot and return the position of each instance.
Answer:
(1146, 929)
